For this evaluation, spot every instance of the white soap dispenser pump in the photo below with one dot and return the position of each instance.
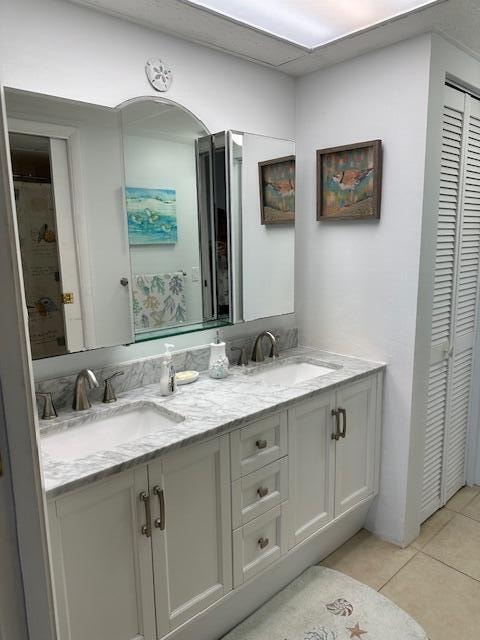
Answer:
(218, 365)
(168, 383)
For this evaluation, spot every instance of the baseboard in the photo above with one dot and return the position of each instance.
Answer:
(219, 618)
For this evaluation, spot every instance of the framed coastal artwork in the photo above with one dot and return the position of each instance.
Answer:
(349, 181)
(151, 215)
(277, 190)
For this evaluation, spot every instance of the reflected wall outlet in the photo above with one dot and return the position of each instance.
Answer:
(195, 274)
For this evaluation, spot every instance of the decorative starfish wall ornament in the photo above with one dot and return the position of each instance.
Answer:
(356, 632)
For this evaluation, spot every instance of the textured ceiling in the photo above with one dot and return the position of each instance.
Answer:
(458, 20)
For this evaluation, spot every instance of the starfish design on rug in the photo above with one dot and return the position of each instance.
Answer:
(356, 632)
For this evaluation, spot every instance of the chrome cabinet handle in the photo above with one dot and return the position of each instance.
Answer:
(261, 444)
(262, 491)
(160, 522)
(263, 542)
(146, 528)
(343, 413)
(338, 433)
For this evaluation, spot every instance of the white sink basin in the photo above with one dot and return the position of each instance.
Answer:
(292, 373)
(105, 433)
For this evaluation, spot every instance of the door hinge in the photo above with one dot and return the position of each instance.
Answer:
(67, 298)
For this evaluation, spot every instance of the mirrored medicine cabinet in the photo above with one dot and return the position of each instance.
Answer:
(136, 223)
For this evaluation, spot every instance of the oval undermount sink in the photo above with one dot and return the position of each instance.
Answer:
(291, 373)
(105, 433)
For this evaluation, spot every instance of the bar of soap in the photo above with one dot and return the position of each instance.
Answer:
(186, 377)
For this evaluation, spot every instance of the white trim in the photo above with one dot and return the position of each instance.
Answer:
(20, 412)
(66, 247)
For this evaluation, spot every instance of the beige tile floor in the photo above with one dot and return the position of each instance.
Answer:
(437, 578)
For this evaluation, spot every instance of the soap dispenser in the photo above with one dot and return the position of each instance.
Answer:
(168, 383)
(218, 366)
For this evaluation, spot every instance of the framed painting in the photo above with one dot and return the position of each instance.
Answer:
(151, 215)
(277, 190)
(349, 181)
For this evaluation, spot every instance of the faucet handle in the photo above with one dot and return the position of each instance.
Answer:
(49, 410)
(242, 357)
(109, 394)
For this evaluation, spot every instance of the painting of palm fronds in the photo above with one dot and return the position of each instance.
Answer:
(151, 215)
(277, 190)
(349, 181)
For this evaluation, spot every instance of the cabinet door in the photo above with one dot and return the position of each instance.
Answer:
(311, 467)
(355, 453)
(102, 564)
(192, 554)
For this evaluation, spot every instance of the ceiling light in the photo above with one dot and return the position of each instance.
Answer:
(311, 23)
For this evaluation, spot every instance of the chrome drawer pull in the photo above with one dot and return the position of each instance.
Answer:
(262, 491)
(261, 444)
(146, 528)
(263, 542)
(160, 522)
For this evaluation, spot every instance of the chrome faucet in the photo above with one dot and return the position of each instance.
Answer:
(85, 380)
(257, 355)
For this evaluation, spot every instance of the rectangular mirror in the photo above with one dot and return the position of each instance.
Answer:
(136, 223)
(263, 186)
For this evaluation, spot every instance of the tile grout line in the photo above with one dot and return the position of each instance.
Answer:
(449, 566)
(435, 534)
(398, 571)
(417, 551)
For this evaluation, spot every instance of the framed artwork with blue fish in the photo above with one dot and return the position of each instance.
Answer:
(349, 181)
(277, 190)
(151, 215)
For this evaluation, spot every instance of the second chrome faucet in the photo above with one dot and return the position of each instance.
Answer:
(85, 381)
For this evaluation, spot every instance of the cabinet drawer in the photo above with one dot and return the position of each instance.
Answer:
(258, 444)
(259, 543)
(258, 492)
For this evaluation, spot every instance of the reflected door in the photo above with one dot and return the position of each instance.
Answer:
(45, 225)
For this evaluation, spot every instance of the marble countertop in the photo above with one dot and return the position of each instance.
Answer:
(199, 411)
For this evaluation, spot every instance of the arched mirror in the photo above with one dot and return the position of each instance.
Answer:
(178, 226)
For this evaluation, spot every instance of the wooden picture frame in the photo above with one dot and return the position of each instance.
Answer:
(349, 181)
(277, 205)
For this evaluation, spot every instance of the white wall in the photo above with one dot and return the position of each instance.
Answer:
(268, 250)
(61, 49)
(356, 282)
(158, 163)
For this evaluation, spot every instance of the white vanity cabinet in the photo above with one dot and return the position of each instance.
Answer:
(139, 554)
(333, 452)
(311, 466)
(136, 555)
(192, 533)
(356, 451)
(102, 564)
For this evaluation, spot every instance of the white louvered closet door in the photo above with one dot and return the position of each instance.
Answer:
(454, 303)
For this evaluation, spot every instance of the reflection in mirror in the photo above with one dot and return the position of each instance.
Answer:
(71, 222)
(268, 249)
(177, 219)
(37, 229)
(136, 223)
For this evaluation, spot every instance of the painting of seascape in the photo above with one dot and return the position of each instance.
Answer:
(151, 215)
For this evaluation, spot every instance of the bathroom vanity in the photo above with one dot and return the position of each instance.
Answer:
(228, 490)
